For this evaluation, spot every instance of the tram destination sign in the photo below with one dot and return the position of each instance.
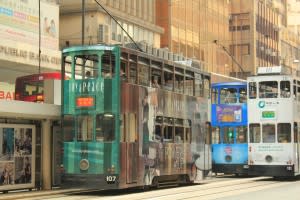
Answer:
(268, 114)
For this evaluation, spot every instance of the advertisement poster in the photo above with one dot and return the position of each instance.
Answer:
(17, 153)
(19, 21)
(229, 113)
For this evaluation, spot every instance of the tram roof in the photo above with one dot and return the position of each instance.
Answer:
(226, 84)
(90, 47)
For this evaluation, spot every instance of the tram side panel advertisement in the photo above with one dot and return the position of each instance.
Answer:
(17, 156)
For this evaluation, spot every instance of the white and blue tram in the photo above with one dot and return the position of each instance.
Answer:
(273, 121)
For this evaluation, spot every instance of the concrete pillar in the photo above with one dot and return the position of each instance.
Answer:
(46, 154)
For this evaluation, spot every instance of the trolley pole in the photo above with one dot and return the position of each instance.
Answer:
(46, 155)
(82, 21)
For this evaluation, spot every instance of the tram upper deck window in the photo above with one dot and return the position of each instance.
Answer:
(215, 135)
(254, 133)
(268, 89)
(268, 133)
(105, 127)
(284, 132)
(285, 89)
(228, 95)
(243, 95)
(108, 61)
(252, 90)
(143, 71)
(132, 69)
(85, 128)
(155, 74)
(228, 135)
(86, 66)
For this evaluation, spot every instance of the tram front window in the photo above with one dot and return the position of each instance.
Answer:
(268, 89)
(228, 135)
(105, 127)
(284, 132)
(228, 95)
(268, 133)
(85, 128)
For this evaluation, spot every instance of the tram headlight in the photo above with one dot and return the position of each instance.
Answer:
(84, 164)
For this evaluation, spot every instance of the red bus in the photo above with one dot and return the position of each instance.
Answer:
(31, 87)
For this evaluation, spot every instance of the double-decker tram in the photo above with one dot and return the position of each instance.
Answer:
(273, 117)
(131, 119)
(229, 128)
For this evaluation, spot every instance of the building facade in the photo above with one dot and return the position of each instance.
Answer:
(133, 21)
(192, 29)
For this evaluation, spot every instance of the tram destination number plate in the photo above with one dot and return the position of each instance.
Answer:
(111, 179)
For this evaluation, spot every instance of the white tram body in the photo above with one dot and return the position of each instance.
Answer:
(273, 122)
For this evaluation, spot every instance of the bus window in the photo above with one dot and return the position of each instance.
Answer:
(284, 132)
(105, 127)
(228, 135)
(243, 95)
(215, 135)
(254, 133)
(252, 90)
(285, 89)
(241, 134)
(68, 128)
(84, 128)
(268, 133)
(268, 89)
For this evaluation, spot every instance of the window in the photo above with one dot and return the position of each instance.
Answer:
(241, 134)
(189, 83)
(295, 132)
(178, 80)
(143, 73)
(179, 130)
(215, 135)
(132, 69)
(243, 95)
(285, 89)
(284, 132)
(252, 90)
(155, 74)
(168, 78)
(198, 85)
(86, 67)
(228, 135)
(254, 133)
(168, 130)
(158, 129)
(108, 65)
(84, 128)
(268, 133)
(268, 89)
(105, 127)
(228, 95)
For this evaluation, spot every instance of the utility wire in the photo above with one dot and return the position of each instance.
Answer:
(224, 48)
(120, 26)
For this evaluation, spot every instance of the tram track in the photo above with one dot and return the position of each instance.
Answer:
(209, 190)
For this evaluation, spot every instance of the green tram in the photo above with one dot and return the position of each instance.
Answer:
(130, 119)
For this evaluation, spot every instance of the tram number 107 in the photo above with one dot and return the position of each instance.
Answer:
(111, 179)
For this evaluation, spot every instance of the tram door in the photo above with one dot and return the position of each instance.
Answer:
(132, 150)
